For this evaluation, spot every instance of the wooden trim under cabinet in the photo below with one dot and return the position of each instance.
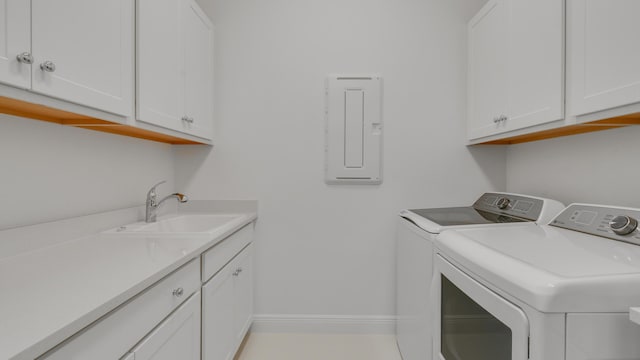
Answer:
(33, 111)
(606, 124)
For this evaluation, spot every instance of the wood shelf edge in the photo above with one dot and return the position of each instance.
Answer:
(40, 112)
(598, 125)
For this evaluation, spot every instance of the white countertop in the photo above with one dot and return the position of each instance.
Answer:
(51, 293)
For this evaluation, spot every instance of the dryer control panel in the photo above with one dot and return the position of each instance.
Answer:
(616, 223)
(519, 206)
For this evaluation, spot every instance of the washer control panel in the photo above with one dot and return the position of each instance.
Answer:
(615, 223)
(509, 204)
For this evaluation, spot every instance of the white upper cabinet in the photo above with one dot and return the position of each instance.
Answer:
(80, 51)
(604, 54)
(160, 63)
(198, 41)
(83, 52)
(487, 68)
(536, 63)
(516, 66)
(174, 66)
(15, 43)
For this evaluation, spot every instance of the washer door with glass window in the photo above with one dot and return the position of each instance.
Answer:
(472, 322)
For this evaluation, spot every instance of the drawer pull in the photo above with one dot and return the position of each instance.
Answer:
(48, 66)
(25, 58)
(178, 292)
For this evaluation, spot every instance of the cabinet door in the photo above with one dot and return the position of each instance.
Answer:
(487, 69)
(198, 41)
(88, 47)
(218, 334)
(604, 54)
(535, 70)
(15, 39)
(160, 63)
(243, 294)
(177, 337)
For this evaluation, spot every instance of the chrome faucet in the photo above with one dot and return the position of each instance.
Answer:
(153, 204)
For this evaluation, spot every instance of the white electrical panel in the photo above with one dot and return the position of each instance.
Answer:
(354, 129)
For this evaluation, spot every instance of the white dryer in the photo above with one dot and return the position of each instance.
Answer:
(417, 229)
(553, 292)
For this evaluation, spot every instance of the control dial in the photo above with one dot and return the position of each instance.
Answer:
(503, 203)
(623, 225)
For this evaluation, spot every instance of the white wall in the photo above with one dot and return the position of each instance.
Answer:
(600, 167)
(50, 172)
(330, 249)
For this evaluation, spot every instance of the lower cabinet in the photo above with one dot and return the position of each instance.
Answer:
(227, 308)
(177, 337)
(243, 295)
(124, 328)
(178, 317)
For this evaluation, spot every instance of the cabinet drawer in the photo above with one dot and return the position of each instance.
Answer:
(215, 258)
(112, 336)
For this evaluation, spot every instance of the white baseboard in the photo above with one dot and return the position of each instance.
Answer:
(333, 324)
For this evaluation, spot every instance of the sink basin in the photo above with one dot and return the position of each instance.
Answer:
(183, 224)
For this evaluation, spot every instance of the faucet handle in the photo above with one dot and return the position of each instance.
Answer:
(152, 192)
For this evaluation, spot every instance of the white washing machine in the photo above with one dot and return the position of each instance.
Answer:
(561, 291)
(417, 229)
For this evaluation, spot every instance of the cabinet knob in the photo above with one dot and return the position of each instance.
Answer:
(178, 292)
(25, 58)
(48, 66)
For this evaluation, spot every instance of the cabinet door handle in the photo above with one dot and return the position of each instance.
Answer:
(500, 119)
(48, 66)
(25, 58)
(178, 292)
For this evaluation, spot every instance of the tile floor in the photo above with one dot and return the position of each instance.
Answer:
(271, 346)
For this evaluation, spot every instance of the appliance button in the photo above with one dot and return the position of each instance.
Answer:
(623, 225)
(503, 203)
